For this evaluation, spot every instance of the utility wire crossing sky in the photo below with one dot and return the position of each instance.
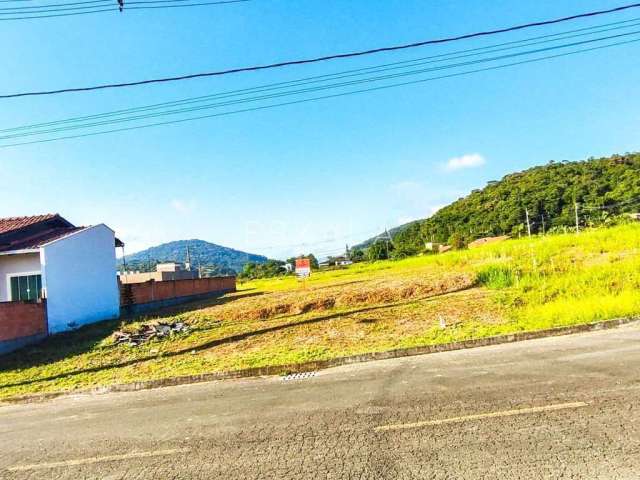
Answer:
(21, 133)
(328, 57)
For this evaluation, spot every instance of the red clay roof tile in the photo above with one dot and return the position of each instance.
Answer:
(15, 223)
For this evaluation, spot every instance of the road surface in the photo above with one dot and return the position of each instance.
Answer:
(564, 407)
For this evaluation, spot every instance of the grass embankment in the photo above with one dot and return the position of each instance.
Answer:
(517, 285)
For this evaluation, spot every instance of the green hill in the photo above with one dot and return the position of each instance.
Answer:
(215, 259)
(602, 188)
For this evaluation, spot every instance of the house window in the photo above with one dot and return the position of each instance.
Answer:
(25, 288)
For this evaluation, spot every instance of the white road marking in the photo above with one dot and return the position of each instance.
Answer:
(480, 416)
(86, 461)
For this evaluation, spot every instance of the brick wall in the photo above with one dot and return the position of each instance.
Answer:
(22, 319)
(152, 291)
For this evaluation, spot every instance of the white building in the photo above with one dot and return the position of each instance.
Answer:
(73, 268)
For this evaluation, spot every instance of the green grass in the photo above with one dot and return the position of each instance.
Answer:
(521, 285)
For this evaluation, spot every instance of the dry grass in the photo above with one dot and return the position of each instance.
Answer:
(345, 295)
(527, 285)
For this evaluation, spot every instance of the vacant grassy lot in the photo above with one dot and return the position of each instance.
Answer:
(513, 286)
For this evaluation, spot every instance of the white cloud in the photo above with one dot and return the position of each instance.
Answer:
(470, 160)
(183, 206)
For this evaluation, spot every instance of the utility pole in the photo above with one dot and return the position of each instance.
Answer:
(575, 206)
(526, 211)
(386, 243)
(187, 263)
(124, 262)
(543, 226)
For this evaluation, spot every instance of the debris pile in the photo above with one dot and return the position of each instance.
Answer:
(148, 331)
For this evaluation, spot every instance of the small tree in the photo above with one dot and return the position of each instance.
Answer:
(356, 255)
(379, 251)
(457, 241)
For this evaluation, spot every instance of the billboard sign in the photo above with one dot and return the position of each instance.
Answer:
(303, 267)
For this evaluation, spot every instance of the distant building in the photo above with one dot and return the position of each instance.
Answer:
(432, 246)
(634, 216)
(488, 240)
(342, 260)
(164, 272)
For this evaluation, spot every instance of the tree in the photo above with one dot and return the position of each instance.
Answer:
(271, 268)
(356, 255)
(611, 184)
(379, 250)
(457, 241)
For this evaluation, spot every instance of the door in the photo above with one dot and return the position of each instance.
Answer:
(26, 287)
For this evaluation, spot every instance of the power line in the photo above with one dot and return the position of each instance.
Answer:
(88, 9)
(610, 206)
(348, 73)
(57, 5)
(324, 58)
(21, 133)
(92, 4)
(312, 244)
(337, 95)
(84, 12)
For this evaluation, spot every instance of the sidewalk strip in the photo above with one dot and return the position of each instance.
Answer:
(86, 461)
(480, 416)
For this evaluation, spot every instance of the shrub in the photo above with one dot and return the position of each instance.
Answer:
(496, 277)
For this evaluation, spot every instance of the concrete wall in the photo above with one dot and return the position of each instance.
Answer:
(12, 264)
(21, 324)
(79, 278)
(140, 297)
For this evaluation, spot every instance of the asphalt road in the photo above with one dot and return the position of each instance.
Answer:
(564, 407)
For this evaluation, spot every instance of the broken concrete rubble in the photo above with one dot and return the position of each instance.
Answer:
(148, 331)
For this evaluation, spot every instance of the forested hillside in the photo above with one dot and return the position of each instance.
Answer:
(214, 259)
(602, 188)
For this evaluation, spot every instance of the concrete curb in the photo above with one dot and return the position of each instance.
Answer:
(323, 364)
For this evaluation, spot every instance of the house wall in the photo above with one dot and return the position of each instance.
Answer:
(21, 323)
(79, 278)
(11, 264)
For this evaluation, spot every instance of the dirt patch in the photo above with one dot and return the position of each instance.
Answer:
(374, 292)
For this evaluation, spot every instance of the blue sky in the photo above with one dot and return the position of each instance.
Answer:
(323, 173)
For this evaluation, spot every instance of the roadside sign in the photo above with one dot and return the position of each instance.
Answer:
(303, 267)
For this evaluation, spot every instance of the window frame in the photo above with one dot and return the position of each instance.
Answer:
(22, 274)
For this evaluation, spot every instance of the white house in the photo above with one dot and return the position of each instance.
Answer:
(73, 268)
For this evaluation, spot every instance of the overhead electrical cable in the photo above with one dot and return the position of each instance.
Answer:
(87, 9)
(335, 95)
(326, 57)
(69, 14)
(92, 4)
(315, 80)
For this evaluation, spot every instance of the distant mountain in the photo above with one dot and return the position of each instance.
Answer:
(392, 231)
(215, 259)
(601, 188)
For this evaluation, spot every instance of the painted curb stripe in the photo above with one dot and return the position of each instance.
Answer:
(481, 416)
(87, 461)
